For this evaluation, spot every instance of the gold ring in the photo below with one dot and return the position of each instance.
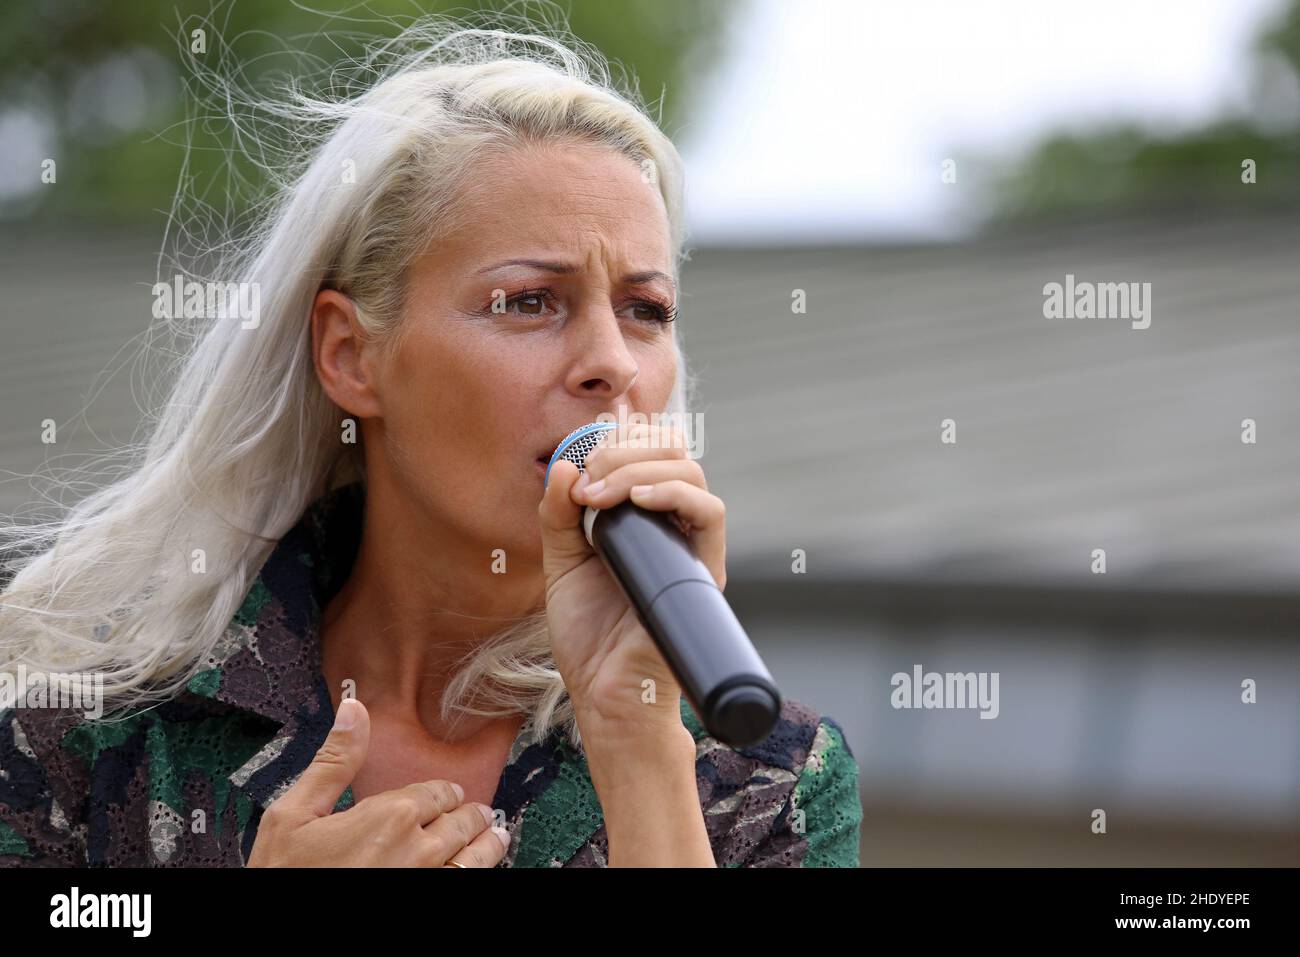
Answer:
(455, 864)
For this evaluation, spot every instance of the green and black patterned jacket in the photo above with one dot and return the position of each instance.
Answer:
(184, 784)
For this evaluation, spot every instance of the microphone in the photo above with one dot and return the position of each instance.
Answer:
(681, 607)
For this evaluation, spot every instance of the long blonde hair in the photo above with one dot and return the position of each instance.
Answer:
(362, 173)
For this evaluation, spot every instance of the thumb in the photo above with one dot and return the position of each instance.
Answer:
(337, 762)
(563, 543)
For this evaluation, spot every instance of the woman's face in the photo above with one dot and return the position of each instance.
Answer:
(545, 310)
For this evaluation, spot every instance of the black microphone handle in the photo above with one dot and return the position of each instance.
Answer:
(689, 619)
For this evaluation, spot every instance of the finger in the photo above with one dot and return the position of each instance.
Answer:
(705, 513)
(560, 519)
(419, 803)
(456, 829)
(604, 459)
(613, 487)
(644, 435)
(486, 850)
(337, 762)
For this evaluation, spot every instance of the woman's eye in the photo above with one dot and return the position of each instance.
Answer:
(652, 312)
(530, 305)
(535, 303)
(525, 304)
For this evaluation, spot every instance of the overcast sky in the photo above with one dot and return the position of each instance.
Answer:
(830, 118)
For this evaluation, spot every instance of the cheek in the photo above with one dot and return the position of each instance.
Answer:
(656, 378)
(459, 406)
(491, 387)
(443, 379)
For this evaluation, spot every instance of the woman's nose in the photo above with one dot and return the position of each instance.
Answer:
(603, 365)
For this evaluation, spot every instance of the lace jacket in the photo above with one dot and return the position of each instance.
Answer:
(185, 783)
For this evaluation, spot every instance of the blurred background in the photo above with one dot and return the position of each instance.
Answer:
(919, 172)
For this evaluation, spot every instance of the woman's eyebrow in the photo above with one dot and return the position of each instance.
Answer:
(555, 267)
(648, 275)
(634, 278)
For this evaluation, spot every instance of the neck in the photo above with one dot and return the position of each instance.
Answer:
(419, 599)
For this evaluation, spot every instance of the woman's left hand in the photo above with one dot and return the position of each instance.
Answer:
(602, 651)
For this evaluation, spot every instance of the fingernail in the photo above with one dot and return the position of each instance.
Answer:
(642, 491)
(488, 816)
(460, 791)
(503, 835)
(595, 488)
(583, 479)
(346, 719)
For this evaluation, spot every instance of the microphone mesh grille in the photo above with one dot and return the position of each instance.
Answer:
(578, 444)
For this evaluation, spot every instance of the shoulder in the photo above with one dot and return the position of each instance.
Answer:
(790, 800)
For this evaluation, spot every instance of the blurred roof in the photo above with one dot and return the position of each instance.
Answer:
(823, 429)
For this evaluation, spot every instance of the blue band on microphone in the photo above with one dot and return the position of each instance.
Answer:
(582, 435)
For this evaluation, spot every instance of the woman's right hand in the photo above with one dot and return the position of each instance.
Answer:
(421, 825)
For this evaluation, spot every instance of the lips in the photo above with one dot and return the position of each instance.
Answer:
(544, 456)
(543, 459)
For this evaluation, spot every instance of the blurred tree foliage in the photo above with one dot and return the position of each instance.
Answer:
(99, 85)
(1129, 168)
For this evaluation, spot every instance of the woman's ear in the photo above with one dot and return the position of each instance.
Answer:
(343, 359)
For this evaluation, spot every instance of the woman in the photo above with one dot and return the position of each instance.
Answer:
(477, 253)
